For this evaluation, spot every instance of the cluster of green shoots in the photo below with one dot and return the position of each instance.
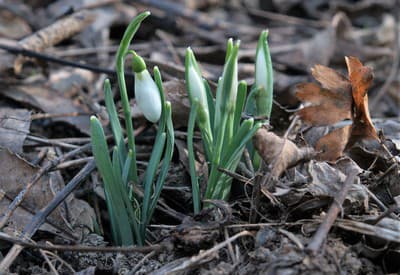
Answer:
(224, 133)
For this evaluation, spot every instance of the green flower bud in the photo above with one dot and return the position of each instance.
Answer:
(229, 80)
(263, 77)
(194, 81)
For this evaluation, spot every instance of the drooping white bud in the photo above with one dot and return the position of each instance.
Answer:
(147, 96)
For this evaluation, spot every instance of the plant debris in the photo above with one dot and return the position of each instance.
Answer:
(326, 199)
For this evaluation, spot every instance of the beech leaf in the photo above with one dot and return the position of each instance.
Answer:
(338, 98)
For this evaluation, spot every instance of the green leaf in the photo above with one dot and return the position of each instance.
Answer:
(149, 176)
(192, 164)
(114, 121)
(121, 230)
(169, 150)
(126, 168)
(240, 102)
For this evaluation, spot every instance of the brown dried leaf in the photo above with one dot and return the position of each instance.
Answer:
(338, 99)
(331, 103)
(15, 173)
(13, 26)
(50, 101)
(278, 152)
(330, 146)
(361, 79)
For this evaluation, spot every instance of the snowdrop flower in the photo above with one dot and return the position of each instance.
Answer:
(146, 91)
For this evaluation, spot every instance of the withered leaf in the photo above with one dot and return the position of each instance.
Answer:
(337, 99)
(67, 219)
(278, 152)
(360, 79)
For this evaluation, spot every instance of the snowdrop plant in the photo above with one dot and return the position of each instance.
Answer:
(260, 99)
(219, 119)
(131, 211)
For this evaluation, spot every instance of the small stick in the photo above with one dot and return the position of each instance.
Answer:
(61, 61)
(51, 142)
(141, 262)
(73, 163)
(83, 248)
(323, 230)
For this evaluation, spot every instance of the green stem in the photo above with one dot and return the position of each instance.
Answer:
(121, 53)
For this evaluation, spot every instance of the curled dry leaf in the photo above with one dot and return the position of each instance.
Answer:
(279, 153)
(337, 99)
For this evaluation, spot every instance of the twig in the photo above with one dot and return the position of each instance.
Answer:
(56, 60)
(292, 237)
(322, 232)
(51, 142)
(62, 261)
(140, 263)
(51, 266)
(73, 163)
(83, 248)
(47, 115)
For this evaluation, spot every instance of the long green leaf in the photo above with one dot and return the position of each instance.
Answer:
(118, 216)
(169, 148)
(240, 102)
(149, 176)
(192, 165)
(114, 121)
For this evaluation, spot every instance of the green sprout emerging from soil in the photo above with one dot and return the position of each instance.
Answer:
(224, 133)
(130, 212)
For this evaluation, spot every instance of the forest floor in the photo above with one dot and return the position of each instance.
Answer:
(298, 215)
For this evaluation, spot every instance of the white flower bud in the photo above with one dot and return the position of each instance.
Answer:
(196, 88)
(147, 96)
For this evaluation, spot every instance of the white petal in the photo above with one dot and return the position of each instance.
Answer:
(261, 69)
(197, 89)
(147, 96)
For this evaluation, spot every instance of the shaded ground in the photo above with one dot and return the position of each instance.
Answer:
(274, 222)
